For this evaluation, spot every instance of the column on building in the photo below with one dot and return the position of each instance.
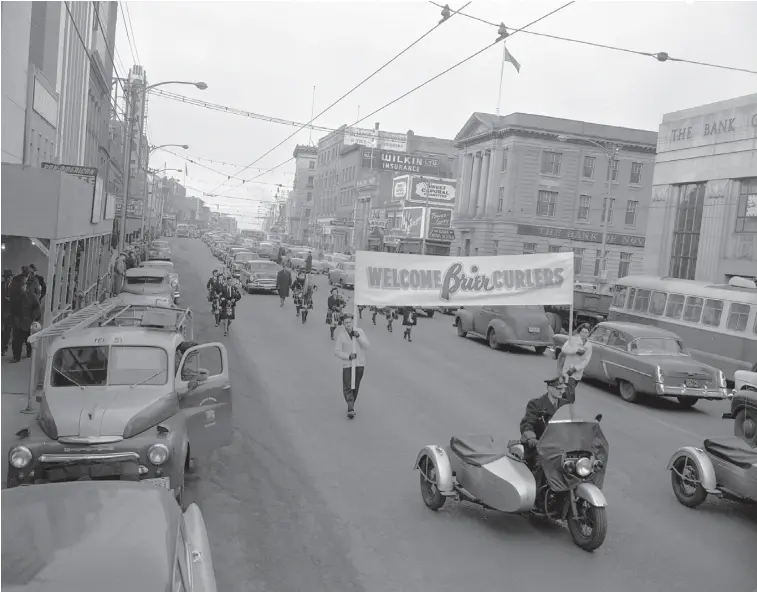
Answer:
(465, 184)
(493, 188)
(483, 189)
(475, 182)
(715, 225)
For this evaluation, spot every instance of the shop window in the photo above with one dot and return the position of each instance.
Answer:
(657, 303)
(692, 312)
(546, 204)
(746, 213)
(713, 310)
(588, 168)
(584, 207)
(686, 231)
(529, 248)
(550, 163)
(674, 308)
(615, 168)
(578, 261)
(737, 317)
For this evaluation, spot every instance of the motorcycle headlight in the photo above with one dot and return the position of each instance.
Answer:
(583, 467)
(158, 454)
(20, 457)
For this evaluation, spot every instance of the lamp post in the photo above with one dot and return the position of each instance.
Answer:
(130, 96)
(611, 152)
(150, 151)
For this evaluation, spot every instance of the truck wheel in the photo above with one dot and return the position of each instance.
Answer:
(627, 391)
(432, 497)
(540, 350)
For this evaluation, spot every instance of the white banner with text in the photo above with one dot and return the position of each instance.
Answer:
(395, 279)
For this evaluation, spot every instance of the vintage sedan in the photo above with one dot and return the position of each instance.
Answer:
(260, 276)
(160, 250)
(123, 397)
(232, 253)
(343, 275)
(323, 266)
(524, 326)
(91, 536)
(646, 360)
(241, 259)
(172, 275)
(148, 286)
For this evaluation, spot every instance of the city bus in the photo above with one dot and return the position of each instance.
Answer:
(182, 231)
(257, 235)
(717, 322)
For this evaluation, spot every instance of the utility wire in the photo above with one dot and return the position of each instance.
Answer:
(445, 18)
(199, 164)
(133, 36)
(659, 56)
(460, 63)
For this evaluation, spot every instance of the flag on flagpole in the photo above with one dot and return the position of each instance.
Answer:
(509, 58)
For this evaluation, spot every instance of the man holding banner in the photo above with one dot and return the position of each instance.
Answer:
(350, 347)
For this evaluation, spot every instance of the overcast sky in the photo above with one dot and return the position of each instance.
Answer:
(265, 57)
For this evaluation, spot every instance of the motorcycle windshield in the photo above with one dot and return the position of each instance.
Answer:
(570, 431)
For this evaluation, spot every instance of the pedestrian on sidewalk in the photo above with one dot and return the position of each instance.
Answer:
(26, 310)
(6, 312)
(409, 320)
(119, 269)
(575, 356)
(348, 338)
(283, 281)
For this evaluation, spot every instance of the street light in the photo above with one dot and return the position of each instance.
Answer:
(611, 151)
(131, 95)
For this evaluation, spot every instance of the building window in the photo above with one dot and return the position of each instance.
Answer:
(553, 249)
(504, 160)
(309, 196)
(609, 209)
(635, 173)
(584, 206)
(501, 202)
(495, 247)
(688, 223)
(546, 203)
(311, 178)
(311, 165)
(614, 167)
(631, 208)
(588, 170)
(578, 261)
(307, 212)
(550, 163)
(746, 214)
(597, 263)
(624, 268)
(529, 248)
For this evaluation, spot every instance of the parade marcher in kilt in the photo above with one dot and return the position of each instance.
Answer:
(391, 316)
(409, 320)
(230, 294)
(335, 304)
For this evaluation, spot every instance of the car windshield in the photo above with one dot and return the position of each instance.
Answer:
(348, 266)
(140, 280)
(658, 345)
(264, 267)
(242, 257)
(518, 308)
(161, 245)
(118, 365)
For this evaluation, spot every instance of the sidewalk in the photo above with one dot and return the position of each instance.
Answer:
(15, 386)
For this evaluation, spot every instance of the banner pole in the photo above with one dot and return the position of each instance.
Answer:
(354, 341)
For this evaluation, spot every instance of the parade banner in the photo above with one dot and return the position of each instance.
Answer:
(395, 279)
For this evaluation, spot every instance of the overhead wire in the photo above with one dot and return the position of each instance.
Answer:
(460, 63)
(133, 36)
(353, 89)
(190, 159)
(660, 56)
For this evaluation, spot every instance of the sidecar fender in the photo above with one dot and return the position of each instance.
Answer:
(592, 494)
(440, 459)
(703, 464)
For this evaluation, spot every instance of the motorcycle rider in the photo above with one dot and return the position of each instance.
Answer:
(538, 413)
(229, 295)
(335, 304)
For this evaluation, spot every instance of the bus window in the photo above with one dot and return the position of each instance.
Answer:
(692, 312)
(619, 298)
(713, 310)
(675, 306)
(737, 317)
(631, 298)
(641, 304)
(657, 303)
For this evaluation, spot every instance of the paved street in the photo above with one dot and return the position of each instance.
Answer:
(305, 499)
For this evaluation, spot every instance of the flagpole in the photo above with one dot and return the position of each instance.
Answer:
(501, 75)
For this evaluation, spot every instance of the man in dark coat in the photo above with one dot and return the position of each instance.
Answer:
(538, 413)
(283, 281)
(6, 311)
(309, 263)
(40, 280)
(25, 310)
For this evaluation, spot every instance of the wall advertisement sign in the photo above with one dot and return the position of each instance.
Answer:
(88, 175)
(416, 189)
(367, 137)
(413, 222)
(400, 162)
(439, 225)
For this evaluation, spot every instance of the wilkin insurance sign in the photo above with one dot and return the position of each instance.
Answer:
(394, 279)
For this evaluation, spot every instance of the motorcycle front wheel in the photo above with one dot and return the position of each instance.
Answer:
(589, 528)
(432, 497)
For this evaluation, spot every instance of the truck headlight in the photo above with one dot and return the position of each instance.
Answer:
(174, 283)
(20, 457)
(583, 467)
(158, 454)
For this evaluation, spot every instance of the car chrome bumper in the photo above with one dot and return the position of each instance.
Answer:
(262, 286)
(715, 394)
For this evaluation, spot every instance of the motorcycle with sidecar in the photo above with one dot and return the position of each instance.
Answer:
(725, 468)
(573, 454)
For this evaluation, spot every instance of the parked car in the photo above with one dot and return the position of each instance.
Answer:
(240, 260)
(646, 360)
(266, 250)
(343, 275)
(229, 255)
(172, 275)
(123, 399)
(159, 250)
(91, 536)
(524, 326)
(148, 286)
(260, 276)
(324, 266)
